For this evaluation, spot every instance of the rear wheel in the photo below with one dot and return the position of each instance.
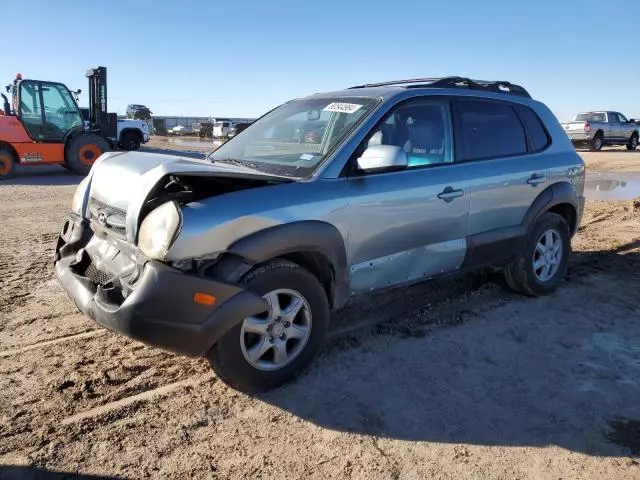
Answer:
(129, 141)
(83, 151)
(7, 164)
(597, 143)
(542, 264)
(633, 142)
(269, 349)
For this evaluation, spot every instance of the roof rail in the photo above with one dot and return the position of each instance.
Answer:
(455, 82)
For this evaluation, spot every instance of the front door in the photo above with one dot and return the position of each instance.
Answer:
(47, 110)
(625, 127)
(616, 127)
(409, 225)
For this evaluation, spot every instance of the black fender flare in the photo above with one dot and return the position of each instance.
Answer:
(555, 194)
(302, 236)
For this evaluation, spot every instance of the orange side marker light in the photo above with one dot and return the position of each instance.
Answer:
(204, 298)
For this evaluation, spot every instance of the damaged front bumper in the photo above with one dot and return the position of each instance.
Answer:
(115, 285)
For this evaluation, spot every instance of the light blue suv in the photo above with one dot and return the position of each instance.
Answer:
(242, 256)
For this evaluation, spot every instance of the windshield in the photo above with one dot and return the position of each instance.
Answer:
(295, 138)
(590, 117)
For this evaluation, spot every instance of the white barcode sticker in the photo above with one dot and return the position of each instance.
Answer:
(342, 107)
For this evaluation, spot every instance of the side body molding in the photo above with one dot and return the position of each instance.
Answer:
(502, 244)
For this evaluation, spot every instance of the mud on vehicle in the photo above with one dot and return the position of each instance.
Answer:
(242, 257)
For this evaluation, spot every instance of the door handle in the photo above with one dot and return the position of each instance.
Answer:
(536, 179)
(449, 193)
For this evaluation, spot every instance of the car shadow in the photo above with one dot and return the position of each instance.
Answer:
(570, 380)
(11, 472)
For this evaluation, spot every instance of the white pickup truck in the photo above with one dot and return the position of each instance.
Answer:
(597, 129)
(131, 133)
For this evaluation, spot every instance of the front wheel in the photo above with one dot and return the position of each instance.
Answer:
(542, 264)
(270, 349)
(7, 164)
(633, 142)
(83, 150)
(129, 141)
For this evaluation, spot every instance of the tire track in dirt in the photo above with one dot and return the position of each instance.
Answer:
(46, 343)
(124, 402)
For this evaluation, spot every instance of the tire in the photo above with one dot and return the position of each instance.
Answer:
(83, 150)
(596, 143)
(229, 357)
(129, 141)
(7, 164)
(522, 275)
(633, 142)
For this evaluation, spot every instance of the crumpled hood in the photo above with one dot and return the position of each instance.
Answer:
(124, 179)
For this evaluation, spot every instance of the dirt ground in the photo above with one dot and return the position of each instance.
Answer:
(457, 378)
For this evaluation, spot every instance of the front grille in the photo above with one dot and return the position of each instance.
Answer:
(96, 276)
(113, 219)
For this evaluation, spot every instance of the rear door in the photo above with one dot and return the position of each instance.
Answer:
(507, 174)
(411, 224)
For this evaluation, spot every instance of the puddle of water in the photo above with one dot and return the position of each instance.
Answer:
(612, 186)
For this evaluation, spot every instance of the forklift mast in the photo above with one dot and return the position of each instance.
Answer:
(101, 122)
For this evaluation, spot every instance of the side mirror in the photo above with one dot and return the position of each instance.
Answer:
(632, 120)
(382, 158)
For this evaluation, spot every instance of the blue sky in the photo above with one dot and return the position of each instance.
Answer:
(241, 58)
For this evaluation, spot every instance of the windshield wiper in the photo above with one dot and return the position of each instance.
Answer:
(235, 161)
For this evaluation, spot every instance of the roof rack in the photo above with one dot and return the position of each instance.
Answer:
(455, 82)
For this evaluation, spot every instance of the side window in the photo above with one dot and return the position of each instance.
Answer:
(613, 117)
(422, 129)
(534, 127)
(29, 108)
(489, 130)
(622, 118)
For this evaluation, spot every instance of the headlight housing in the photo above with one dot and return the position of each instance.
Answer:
(77, 204)
(159, 229)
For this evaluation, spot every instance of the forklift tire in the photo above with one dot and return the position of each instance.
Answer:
(7, 164)
(83, 150)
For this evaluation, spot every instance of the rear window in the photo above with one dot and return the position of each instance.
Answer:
(590, 117)
(489, 130)
(534, 127)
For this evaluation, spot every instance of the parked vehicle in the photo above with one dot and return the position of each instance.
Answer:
(598, 129)
(44, 126)
(130, 134)
(221, 128)
(237, 128)
(242, 258)
(203, 129)
(180, 130)
(133, 108)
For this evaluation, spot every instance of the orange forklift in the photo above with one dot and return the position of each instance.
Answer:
(43, 125)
